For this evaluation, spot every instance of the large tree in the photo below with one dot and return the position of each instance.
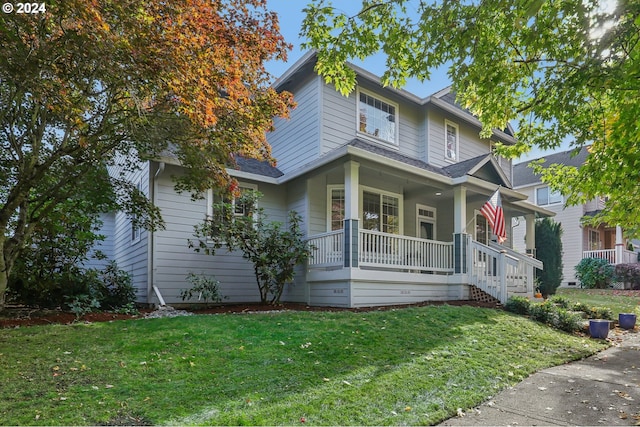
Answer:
(93, 83)
(560, 70)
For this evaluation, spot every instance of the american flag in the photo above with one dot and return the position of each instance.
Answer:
(492, 210)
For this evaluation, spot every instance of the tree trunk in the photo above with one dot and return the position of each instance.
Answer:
(4, 272)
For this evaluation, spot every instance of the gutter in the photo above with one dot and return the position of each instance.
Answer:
(151, 253)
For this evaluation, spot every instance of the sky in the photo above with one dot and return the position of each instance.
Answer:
(291, 16)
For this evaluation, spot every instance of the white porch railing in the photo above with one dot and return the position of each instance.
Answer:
(497, 270)
(500, 271)
(625, 257)
(522, 280)
(327, 249)
(377, 249)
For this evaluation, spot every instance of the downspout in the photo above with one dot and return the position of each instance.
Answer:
(151, 252)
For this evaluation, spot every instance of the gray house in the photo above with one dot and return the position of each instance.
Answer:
(390, 187)
(578, 240)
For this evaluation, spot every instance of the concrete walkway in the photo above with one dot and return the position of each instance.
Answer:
(601, 390)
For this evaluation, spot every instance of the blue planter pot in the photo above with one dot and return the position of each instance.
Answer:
(626, 320)
(599, 328)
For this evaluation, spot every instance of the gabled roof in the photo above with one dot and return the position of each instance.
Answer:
(484, 167)
(442, 99)
(523, 175)
(258, 167)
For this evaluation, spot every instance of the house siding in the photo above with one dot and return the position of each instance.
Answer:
(470, 145)
(132, 256)
(105, 246)
(294, 141)
(572, 234)
(174, 260)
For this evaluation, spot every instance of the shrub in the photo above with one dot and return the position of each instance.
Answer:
(548, 234)
(115, 288)
(568, 321)
(74, 288)
(629, 274)
(518, 305)
(544, 313)
(82, 304)
(560, 301)
(594, 273)
(206, 287)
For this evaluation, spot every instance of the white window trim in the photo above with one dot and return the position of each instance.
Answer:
(433, 220)
(457, 147)
(488, 230)
(395, 144)
(361, 190)
(330, 189)
(590, 242)
(210, 199)
(548, 197)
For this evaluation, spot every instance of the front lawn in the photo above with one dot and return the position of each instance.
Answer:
(411, 366)
(619, 301)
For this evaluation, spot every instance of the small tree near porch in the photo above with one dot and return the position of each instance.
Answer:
(549, 251)
(273, 250)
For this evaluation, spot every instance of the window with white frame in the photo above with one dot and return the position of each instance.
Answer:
(594, 240)
(426, 222)
(377, 118)
(451, 141)
(336, 208)
(482, 232)
(239, 209)
(380, 211)
(135, 228)
(546, 196)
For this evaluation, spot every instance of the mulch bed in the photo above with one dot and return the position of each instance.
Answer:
(12, 317)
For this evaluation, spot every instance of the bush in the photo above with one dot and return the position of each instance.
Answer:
(518, 305)
(556, 316)
(115, 288)
(629, 274)
(544, 313)
(568, 321)
(560, 301)
(76, 289)
(594, 273)
(206, 287)
(548, 234)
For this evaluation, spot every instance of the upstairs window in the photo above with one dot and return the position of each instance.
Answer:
(377, 118)
(546, 196)
(451, 141)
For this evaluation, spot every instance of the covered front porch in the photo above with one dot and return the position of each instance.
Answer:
(391, 269)
(384, 234)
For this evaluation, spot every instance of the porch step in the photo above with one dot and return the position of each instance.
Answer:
(477, 294)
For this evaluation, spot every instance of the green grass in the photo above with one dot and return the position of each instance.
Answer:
(411, 366)
(617, 301)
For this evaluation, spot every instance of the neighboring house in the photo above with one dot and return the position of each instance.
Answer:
(389, 186)
(578, 240)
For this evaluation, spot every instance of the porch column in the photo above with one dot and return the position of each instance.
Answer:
(459, 229)
(530, 234)
(619, 246)
(351, 207)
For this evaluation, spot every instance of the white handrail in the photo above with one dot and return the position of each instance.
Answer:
(326, 249)
(380, 249)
